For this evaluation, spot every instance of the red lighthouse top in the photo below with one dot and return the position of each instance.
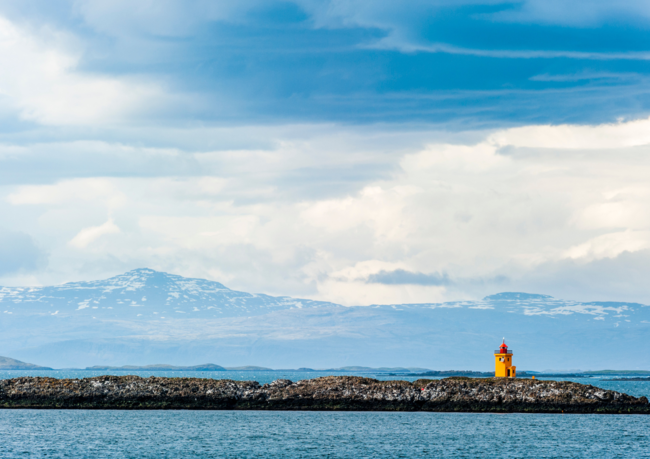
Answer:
(503, 349)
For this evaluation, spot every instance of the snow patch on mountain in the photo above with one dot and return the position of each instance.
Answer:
(145, 289)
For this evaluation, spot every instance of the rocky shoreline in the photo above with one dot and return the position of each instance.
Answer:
(331, 393)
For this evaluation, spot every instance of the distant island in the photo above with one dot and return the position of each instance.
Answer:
(213, 367)
(7, 363)
(448, 373)
(159, 367)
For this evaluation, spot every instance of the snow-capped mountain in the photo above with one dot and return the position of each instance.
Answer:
(145, 317)
(143, 293)
(530, 304)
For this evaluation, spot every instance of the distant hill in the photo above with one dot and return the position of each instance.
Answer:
(7, 363)
(144, 294)
(617, 372)
(352, 369)
(145, 316)
(357, 369)
(161, 367)
(249, 368)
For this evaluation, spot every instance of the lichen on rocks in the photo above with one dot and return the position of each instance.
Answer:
(327, 393)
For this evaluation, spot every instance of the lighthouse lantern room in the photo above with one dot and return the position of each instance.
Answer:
(503, 367)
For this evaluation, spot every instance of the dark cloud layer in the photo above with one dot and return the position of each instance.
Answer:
(476, 62)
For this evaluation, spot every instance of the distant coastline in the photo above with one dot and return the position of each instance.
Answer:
(159, 367)
(7, 363)
(213, 367)
(110, 323)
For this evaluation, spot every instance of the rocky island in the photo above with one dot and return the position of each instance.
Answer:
(338, 393)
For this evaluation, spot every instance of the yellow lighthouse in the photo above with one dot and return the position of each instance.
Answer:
(503, 367)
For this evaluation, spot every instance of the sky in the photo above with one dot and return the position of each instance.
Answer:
(352, 151)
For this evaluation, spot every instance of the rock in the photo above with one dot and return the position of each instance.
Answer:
(327, 393)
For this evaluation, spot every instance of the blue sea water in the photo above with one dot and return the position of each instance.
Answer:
(257, 434)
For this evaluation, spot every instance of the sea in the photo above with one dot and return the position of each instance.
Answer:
(284, 434)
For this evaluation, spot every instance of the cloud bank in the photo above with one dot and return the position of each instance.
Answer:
(356, 152)
(527, 207)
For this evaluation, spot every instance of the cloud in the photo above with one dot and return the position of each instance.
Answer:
(199, 63)
(161, 17)
(580, 13)
(408, 26)
(584, 76)
(88, 235)
(19, 253)
(175, 17)
(593, 279)
(400, 276)
(87, 189)
(610, 245)
(40, 80)
(480, 213)
(48, 161)
(352, 151)
(519, 54)
(603, 136)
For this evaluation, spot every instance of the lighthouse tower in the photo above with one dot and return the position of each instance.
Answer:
(503, 367)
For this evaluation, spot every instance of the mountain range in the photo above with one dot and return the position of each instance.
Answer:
(145, 316)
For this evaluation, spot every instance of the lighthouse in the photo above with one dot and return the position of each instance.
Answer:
(503, 367)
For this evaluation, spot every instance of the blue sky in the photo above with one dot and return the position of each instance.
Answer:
(459, 63)
(351, 151)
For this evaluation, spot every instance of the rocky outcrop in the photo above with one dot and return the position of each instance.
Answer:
(328, 393)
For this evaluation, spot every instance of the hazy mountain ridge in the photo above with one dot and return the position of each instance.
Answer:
(147, 293)
(160, 367)
(7, 363)
(189, 321)
(143, 292)
(535, 304)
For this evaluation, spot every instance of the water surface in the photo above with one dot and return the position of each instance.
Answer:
(256, 434)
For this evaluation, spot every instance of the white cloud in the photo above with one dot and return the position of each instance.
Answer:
(396, 42)
(497, 208)
(361, 270)
(604, 136)
(361, 293)
(88, 235)
(89, 189)
(610, 245)
(203, 232)
(40, 80)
